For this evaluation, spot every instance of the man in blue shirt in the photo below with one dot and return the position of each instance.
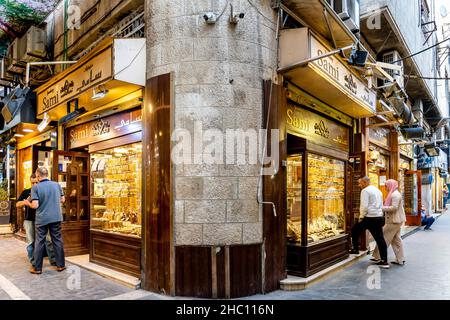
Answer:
(427, 219)
(46, 198)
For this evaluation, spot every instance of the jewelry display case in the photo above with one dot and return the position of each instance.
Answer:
(116, 190)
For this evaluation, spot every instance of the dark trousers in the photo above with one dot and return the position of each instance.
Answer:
(427, 222)
(375, 227)
(55, 234)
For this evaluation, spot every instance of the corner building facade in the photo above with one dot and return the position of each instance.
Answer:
(204, 226)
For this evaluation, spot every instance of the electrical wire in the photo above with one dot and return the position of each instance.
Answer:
(259, 12)
(421, 51)
(223, 11)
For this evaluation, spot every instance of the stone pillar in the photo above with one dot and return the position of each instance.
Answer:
(218, 72)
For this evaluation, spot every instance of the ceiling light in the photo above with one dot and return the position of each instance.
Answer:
(44, 123)
(100, 93)
(432, 150)
(28, 130)
(18, 135)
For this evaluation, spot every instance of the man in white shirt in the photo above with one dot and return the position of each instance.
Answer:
(370, 218)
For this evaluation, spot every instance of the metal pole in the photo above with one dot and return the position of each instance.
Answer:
(303, 62)
(29, 64)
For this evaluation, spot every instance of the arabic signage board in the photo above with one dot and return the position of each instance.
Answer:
(328, 79)
(118, 59)
(318, 129)
(426, 162)
(88, 75)
(104, 129)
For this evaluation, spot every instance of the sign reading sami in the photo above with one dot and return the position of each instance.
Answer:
(341, 76)
(320, 130)
(89, 74)
(103, 129)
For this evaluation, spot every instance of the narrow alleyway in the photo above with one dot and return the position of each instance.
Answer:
(425, 275)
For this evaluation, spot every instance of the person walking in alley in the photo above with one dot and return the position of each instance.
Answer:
(427, 219)
(371, 218)
(395, 217)
(46, 198)
(28, 224)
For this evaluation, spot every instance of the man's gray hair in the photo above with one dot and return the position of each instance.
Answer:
(365, 179)
(42, 172)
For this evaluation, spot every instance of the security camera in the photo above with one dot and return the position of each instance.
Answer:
(210, 17)
(234, 17)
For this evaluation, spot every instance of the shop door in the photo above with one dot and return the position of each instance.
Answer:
(356, 169)
(413, 197)
(71, 171)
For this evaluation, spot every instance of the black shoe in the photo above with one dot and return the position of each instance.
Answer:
(383, 264)
(375, 260)
(398, 263)
(353, 251)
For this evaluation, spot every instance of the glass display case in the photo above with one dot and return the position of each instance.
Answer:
(116, 177)
(294, 198)
(326, 198)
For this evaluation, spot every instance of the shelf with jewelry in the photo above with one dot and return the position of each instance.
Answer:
(326, 198)
(116, 190)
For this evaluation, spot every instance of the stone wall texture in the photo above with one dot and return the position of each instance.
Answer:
(218, 72)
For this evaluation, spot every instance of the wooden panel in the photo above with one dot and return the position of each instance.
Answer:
(274, 190)
(193, 272)
(76, 238)
(157, 187)
(304, 261)
(220, 273)
(117, 252)
(245, 270)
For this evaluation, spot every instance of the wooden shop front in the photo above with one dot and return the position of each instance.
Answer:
(97, 103)
(317, 220)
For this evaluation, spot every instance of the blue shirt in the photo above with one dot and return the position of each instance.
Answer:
(49, 194)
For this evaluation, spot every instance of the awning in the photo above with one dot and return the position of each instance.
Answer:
(328, 79)
(319, 16)
(116, 67)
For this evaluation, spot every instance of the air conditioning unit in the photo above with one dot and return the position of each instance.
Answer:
(33, 45)
(348, 11)
(390, 57)
(14, 53)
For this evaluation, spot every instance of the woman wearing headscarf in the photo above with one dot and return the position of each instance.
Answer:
(395, 217)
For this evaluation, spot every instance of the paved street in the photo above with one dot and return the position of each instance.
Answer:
(425, 276)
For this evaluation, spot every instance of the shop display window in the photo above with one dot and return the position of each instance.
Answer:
(294, 198)
(116, 190)
(326, 198)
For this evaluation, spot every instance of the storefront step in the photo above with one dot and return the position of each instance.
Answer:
(122, 278)
(293, 283)
(5, 230)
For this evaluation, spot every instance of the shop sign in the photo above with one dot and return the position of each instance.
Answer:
(316, 128)
(106, 128)
(380, 135)
(85, 77)
(426, 162)
(338, 73)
